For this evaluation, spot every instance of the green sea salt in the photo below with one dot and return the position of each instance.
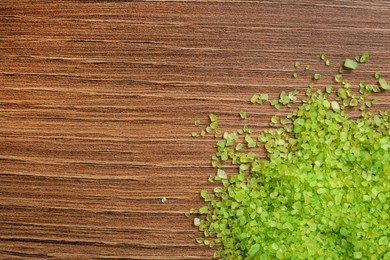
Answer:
(322, 192)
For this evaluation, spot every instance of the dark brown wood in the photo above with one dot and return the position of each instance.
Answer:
(98, 98)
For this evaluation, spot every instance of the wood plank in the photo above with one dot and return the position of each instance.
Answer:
(98, 98)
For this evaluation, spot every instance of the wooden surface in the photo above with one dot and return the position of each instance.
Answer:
(98, 98)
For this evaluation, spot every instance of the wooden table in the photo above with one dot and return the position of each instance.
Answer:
(98, 98)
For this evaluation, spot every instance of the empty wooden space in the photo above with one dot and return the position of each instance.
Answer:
(98, 99)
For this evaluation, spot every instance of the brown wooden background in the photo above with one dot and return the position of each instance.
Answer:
(98, 98)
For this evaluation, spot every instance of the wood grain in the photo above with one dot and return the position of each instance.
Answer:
(98, 98)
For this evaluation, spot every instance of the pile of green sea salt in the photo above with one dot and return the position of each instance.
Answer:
(322, 193)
